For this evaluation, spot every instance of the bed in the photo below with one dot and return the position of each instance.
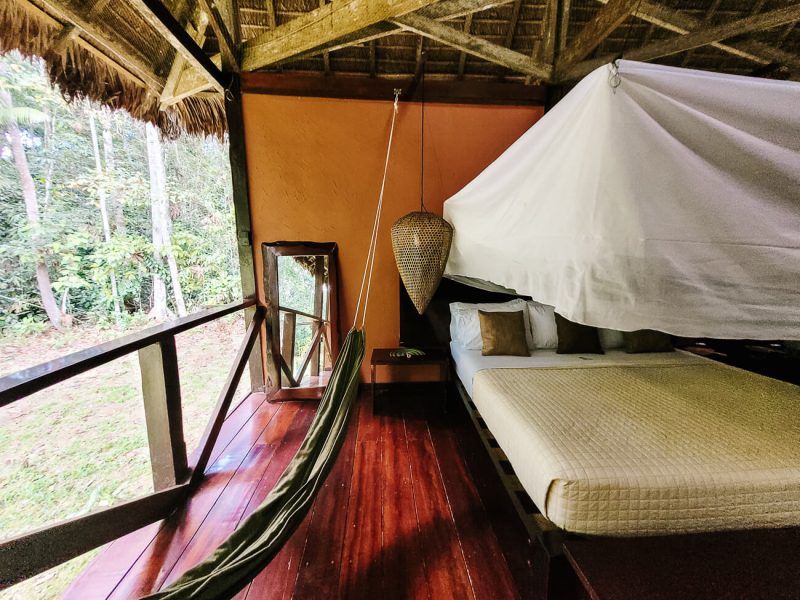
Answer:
(642, 444)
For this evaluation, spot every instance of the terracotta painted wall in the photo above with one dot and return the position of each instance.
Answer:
(315, 169)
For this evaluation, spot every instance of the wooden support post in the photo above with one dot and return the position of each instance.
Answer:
(161, 390)
(241, 205)
(319, 293)
(287, 339)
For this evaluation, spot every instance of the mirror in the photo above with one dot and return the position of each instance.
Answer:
(300, 287)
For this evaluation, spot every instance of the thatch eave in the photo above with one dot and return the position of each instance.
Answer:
(82, 70)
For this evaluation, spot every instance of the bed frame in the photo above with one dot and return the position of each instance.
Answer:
(556, 577)
(432, 329)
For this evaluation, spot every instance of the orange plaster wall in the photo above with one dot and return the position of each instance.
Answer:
(315, 167)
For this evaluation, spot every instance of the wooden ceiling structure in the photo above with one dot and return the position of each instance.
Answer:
(175, 58)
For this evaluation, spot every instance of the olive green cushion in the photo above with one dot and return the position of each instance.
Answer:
(574, 338)
(503, 333)
(646, 340)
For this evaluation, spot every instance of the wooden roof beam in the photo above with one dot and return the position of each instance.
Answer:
(707, 18)
(563, 26)
(231, 17)
(546, 51)
(104, 45)
(694, 39)
(473, 45)
(596, 30)
(344, 23)
(68, 33)
(444, 10)
(191, 83)
(680, 22)
(462, 58)
(179, 67)
(512, 24)
(227, 47)
(159, 17)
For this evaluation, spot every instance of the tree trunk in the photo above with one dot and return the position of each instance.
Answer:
(32, 211)
(162, 227)
(108, 155)
(101, 193)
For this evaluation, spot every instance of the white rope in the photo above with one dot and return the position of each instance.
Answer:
(373, 242)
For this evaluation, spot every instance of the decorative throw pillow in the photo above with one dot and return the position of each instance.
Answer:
(465, 327)
(543, 323)
(574, 338)
(503, 333)
(646, 340)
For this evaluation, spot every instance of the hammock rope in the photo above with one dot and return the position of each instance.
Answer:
(373, 242)
(250, 548)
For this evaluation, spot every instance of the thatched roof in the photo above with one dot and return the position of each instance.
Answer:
(122, 53)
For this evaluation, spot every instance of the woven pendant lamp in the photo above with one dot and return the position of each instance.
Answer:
(421, 240)
(421, 244)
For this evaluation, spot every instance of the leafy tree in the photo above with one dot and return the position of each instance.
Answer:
(96, 225)
(11, 119)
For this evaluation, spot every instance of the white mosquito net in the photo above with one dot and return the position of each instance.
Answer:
(670, 202)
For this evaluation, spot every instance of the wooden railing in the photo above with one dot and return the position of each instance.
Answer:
(173, 476)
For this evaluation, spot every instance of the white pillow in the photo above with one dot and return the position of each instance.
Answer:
(465, 325)
(543, 323)
(610, 338)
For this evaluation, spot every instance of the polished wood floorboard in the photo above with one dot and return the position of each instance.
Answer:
(412, 509)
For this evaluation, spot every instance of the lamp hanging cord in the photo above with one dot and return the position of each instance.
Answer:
(373, 242)
(422, 135)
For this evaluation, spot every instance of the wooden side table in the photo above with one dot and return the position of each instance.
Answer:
(433, 356)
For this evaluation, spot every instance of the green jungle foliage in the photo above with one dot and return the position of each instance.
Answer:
(70, 236)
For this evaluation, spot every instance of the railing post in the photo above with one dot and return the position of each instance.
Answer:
(161, 390)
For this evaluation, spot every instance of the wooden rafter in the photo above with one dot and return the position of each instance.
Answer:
(596, 30)
(159, 17)
(695, 39)
(563, 25)
(473, 45)
(545, 52)
(462, 58)
(272, 16)
(444, 10)
(512, 24)
(227, 46)
(335, 20)
(326, 55)
(707, 18)
(680, 22)
(192, 83)
(179, 67)
(232, 20)
(68, 33)
(103, 44)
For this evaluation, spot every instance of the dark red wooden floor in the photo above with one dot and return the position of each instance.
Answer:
(412, 509)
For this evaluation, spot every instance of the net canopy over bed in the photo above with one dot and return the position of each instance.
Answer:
(671, 201)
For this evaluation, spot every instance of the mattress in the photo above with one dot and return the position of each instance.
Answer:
(645, 448)
(469, 362)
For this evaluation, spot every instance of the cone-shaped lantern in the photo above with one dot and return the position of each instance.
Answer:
(421, 243)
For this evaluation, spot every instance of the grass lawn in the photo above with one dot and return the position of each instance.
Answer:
(81, 445)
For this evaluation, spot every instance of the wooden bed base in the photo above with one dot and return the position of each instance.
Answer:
(555, 578)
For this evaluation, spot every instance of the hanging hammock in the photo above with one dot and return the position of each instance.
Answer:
(250, 548)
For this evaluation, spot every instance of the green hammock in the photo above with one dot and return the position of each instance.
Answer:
(259, 538)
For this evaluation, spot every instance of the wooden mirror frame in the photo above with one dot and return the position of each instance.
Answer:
(276, 367)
